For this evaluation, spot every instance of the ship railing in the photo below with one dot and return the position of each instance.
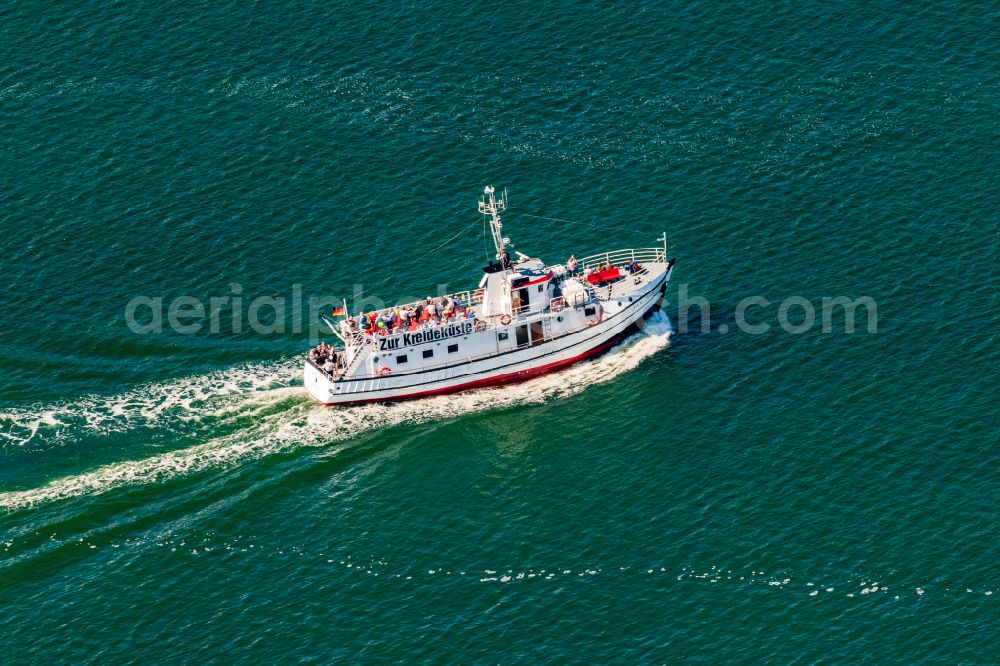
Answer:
(576, 300)
(338, 368)
(467, 298)
(353, 337)
(520, 310)
(618, 258)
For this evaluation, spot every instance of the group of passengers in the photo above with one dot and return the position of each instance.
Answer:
(325, 356)
(429, 314)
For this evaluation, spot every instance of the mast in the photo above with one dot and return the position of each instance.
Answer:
(493, 208)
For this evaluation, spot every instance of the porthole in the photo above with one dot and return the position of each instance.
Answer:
(559, 318)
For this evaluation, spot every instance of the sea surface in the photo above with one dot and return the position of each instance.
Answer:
(700, 494)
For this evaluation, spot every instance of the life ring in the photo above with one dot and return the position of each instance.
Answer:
(557, 305)
(480, 326)
(504, 320)
(384, 371)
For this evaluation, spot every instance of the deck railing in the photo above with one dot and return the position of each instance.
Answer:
(619, 257)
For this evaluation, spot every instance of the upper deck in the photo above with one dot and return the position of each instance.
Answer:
(534, 289)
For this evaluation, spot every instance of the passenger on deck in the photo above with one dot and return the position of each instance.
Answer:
(631, 266)
(571, 266)
(608, 266)
(328, 366)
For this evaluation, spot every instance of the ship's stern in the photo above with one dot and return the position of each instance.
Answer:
(319, 385)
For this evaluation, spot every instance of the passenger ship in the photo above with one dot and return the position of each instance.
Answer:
(525, 319)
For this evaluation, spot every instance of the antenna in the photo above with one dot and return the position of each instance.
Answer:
(493, 208)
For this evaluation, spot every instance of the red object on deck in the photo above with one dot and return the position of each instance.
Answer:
(604, 276)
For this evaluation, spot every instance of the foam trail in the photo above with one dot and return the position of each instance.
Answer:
(306, 424)
(188, 399)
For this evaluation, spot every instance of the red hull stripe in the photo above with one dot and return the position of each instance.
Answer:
(509, 378)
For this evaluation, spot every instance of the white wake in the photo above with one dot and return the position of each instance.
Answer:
(307, 424)
(211, 395)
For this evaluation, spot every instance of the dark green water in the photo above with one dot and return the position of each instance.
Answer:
(692, 496)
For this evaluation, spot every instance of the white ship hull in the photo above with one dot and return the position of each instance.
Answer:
(485, 360)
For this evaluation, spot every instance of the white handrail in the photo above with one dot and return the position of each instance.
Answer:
(648, 254)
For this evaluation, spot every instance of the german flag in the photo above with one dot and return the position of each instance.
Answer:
(339, 312)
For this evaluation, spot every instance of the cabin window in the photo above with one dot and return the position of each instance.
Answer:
(428, 353)
(501, 336)
(452, 349)
(540, 288)
(401, 358)
(589, 312)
